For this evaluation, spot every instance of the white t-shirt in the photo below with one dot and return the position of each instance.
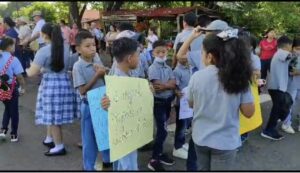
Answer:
(151, 40)
(38, 28)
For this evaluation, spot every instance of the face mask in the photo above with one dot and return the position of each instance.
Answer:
(160, 60)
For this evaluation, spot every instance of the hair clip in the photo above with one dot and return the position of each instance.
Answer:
(228, 34)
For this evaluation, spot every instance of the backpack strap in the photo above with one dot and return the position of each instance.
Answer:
(9, 61)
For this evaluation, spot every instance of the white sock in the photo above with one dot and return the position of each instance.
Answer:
(57, 148)
(48, 139)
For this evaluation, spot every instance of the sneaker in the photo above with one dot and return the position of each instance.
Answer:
(287, 128)
(275, 136)
(180, 153)
(14, 138)
(185, 146)
(164, 159)
(155, 166)
(3, 133)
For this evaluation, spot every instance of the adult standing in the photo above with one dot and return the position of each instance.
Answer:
(24, 34)
(40, 22)
(109, 38)
(152, 37)
(97, 34)
(73, 33)
(66, 31)
(268, 47)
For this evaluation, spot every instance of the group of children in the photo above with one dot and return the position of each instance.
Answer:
(217, 90)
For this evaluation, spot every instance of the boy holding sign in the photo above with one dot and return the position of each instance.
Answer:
(88, 73)
(126, 53)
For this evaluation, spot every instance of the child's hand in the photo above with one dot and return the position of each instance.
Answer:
(178, 94)
(159, 87)
(152, 88)
(100, 70)
(105, 102)
(196, 32)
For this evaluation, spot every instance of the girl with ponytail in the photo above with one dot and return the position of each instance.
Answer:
(217, 93)
(56, 101)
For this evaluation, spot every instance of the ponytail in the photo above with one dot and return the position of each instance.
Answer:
(57, 46)
(232, 58)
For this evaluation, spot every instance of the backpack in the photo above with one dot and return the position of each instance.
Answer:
(5, 90)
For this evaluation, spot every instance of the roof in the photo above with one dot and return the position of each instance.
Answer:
(160, 12)
(90, 15)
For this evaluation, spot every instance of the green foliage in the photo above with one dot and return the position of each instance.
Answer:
(52, 12)
(258, 16)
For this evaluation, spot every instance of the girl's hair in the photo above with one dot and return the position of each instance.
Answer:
(5, 42)
(153, 29)
(267, 31)
(232, 58)
(296, 42)
(9, 22)
(57, 46)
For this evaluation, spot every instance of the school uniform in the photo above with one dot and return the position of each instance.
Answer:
(162, 104)
(277, 86)
(83, 72)
(195, 60)
(215, 123)
(294, 91)
(11, 110)
(182, 75)
(128, 162)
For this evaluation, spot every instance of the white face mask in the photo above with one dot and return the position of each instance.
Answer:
(160, 60)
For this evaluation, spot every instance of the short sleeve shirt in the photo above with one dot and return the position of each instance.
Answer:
(83, 72)
(268, 49)
(163, 73)
(182, 75)
(216, 113)
(15, 67)
(43, 58)
(37, 29)
(256, 64)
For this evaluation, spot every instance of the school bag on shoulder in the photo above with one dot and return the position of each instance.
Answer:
(5, 90)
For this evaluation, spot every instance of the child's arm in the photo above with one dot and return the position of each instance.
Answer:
(21, 81)
(105, 102)
(100, 72)
(185, 47)
(247, 107)
(159, 86)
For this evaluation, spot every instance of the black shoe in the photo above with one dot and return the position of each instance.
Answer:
(58, 153)
(50, 144)
(14, 138)
(155, 166)
(166, 160)
(273, 136)
(107, 165)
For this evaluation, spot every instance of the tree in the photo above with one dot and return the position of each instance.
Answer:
(77, 10)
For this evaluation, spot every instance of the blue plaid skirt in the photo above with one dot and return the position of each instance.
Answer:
(57, 101)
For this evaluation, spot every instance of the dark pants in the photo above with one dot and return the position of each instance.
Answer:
(162, 109)
(181, 125)
(191, 162)
(265, 67)
(11, 111)
(25, 57)
(73, 48)
(277, 111)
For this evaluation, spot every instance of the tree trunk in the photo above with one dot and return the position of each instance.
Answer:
(76, 15)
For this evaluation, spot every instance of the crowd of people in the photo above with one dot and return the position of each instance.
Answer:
(214, 62)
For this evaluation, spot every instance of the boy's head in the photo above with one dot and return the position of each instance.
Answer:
(125, 26)
(189, 20)
(160, 49)
(85, 44)
(285, 43)
(296, 46)
(7, 44)
(126, 51)
(204, 20)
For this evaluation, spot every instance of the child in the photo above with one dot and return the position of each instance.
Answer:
(88, 73)
(56, 100)
(255, 61)
(15, 68)
(182, 74)
(216, 96)
(163, 80)
(277, 86)
(294, 85)
(126, 53)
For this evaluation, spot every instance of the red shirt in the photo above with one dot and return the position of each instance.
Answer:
(267, 49)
